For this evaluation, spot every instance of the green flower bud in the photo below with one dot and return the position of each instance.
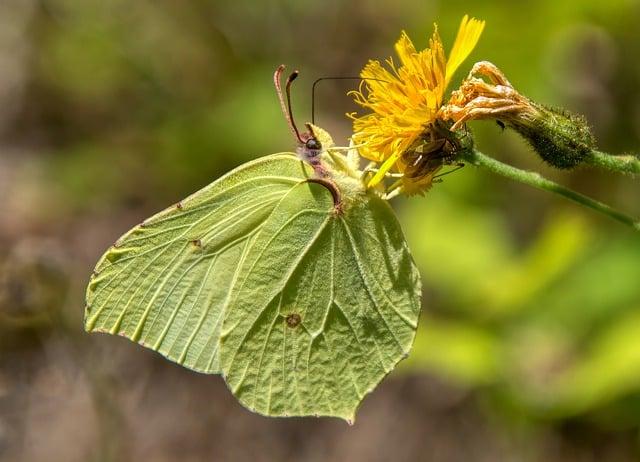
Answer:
(560, 138)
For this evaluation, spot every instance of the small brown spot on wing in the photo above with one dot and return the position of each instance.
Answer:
(293, 320)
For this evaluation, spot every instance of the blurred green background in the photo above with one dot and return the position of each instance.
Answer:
(529, 344)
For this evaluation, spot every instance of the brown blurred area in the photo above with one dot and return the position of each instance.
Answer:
(529, 347)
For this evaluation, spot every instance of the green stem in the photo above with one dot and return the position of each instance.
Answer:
(538, 181)
(623, 164)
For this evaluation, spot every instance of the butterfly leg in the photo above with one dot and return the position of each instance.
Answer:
(394, 190)
(386, 175)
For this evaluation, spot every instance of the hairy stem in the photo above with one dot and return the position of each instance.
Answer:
(623, 164)
(536, 180)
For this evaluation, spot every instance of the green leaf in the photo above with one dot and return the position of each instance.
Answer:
(304, 305)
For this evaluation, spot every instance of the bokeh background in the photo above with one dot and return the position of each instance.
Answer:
(529, 343)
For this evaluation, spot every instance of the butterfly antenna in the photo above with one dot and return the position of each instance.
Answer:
(290, 79)
(286, 105)
(317, 81)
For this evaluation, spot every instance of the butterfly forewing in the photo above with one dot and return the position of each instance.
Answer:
(167, 282)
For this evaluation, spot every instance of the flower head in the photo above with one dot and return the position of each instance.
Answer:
(404, 101)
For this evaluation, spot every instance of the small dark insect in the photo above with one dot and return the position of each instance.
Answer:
(501, 124)
(437, 147)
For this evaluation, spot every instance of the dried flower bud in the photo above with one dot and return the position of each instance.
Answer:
(562, 139)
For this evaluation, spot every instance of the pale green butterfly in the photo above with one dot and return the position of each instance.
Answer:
(287, 276)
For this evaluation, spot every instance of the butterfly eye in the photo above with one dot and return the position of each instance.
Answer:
(313, 143)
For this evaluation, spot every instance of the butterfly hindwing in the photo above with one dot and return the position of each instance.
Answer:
(341, 311)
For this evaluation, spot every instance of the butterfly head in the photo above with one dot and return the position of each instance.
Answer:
(316, 141)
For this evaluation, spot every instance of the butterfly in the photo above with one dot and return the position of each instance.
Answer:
(287, 276)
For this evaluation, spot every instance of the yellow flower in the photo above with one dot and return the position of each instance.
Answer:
(404, 101)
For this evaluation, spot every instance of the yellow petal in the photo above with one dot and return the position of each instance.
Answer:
(384, 168)
(466, 40)
(438, 66)
(405, 49)
(396, 149)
